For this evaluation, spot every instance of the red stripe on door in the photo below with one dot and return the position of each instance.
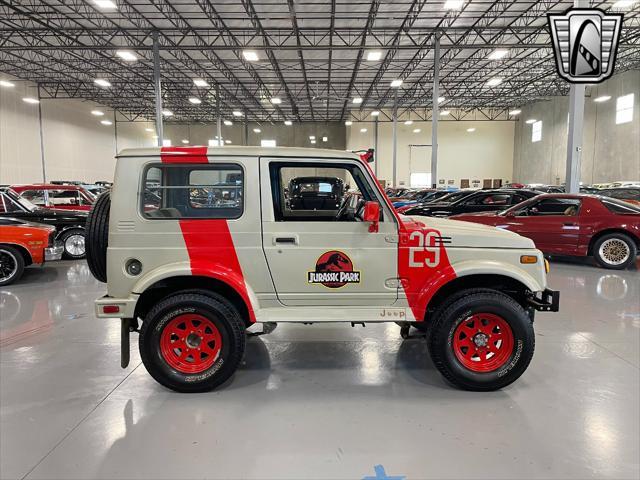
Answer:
(213, 254)
(184, 155)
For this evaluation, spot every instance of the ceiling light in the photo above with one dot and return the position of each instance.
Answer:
(498, 54)
(396, 83)
(228, 123)
(312, 137)
(237, 113)
(148, 130)
(198, 82)
(250, 55)
(227, 141)
(257, 130)
(30, 100)
(416, 130)
(375, 113)
(602, 98)
(494, 81)
(288, 123)
(5, 83)
(445, 112)
(127, 55)
(97, 113)
(472, 129)
(167, 113)
(348, 123)
(531, 120)
(357, 100)
(441, 99)
(105, 4)
(363, 130)
(517, 111)
(313, 142)
(453, 4)
(106, 122)
(623, 4)
(276, 100)
(184, 140)
(409, 122)
(102, 82)
(374, 55)
(325, 139)
(195, 101)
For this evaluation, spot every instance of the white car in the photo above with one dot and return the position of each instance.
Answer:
(197, 244)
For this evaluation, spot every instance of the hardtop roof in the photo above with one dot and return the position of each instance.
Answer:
(249, 151)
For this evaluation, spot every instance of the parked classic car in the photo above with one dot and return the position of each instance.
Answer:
(69, 224)
(573, 224)
(315, 193)
(628, 194)
(23, 244)
(478, 201)
(63, 197)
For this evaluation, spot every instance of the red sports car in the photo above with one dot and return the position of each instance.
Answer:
(61, 197)
(573, 224)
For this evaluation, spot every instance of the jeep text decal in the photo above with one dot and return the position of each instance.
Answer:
(334, 269)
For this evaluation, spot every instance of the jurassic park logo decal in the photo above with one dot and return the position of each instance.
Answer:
(334, 269)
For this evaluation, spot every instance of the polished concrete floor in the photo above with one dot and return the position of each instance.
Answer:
(326, 401)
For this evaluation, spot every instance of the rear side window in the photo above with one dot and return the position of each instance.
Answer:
(620, 207)
(193, 191)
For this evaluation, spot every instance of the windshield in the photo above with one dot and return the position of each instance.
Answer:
(26, 203)
(452, 197)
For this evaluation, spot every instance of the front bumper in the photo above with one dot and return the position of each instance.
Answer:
(126, 307)
(545, 301)
(53, 253)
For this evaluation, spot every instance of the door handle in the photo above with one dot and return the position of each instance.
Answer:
(570, 224)
(293, 240)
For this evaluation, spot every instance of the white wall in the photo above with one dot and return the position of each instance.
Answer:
(485, 153)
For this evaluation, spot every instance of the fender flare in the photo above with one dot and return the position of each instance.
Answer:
(492, 267)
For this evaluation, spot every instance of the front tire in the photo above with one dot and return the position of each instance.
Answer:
(74, 244)
(615, 251)
(192, 342)
(11, 265)
(482, 342)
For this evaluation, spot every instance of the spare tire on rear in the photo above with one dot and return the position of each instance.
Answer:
(97, 236)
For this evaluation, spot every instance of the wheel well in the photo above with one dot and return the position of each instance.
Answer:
(172, 285)
(599, 235)
(512, 287)
(23, 251)
(69, 229)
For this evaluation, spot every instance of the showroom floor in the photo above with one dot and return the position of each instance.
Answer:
(326, 401)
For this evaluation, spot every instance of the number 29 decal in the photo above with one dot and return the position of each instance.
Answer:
(427, 251)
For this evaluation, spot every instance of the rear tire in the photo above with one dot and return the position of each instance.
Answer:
(74, 244)
(615, 251)
(191, 342)
(97, 239)
(482, 341)
(11, 265)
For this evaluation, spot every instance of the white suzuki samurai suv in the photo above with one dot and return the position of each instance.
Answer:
(196, 244)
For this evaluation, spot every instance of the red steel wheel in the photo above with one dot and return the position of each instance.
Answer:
(190, 343)
(483, 342)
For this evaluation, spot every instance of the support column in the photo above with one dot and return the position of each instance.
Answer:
(375, 147)
(219, 121)
(246, 129)
(44, 170)
(395, 137)
(435, 111)
(157, 85)
(576, 125)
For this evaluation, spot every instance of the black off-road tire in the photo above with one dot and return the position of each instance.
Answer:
(12, 255)
(97, 236)
(441, 340)
(604, 262)
(67, 254)
(213, 307)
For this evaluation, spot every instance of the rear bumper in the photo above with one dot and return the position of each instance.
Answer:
(545, 301)
(53, 253)
(126, 307)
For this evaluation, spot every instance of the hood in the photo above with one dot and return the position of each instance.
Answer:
(473, 235)
(476, 214)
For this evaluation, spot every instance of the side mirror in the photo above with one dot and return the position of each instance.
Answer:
(372, 215)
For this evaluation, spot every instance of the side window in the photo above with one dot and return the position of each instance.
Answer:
(64, 197)
(516, 199)
(7, 205)
(312, 192)
(193, 191)
(554, 206)
(34, 196)
(489, 199)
